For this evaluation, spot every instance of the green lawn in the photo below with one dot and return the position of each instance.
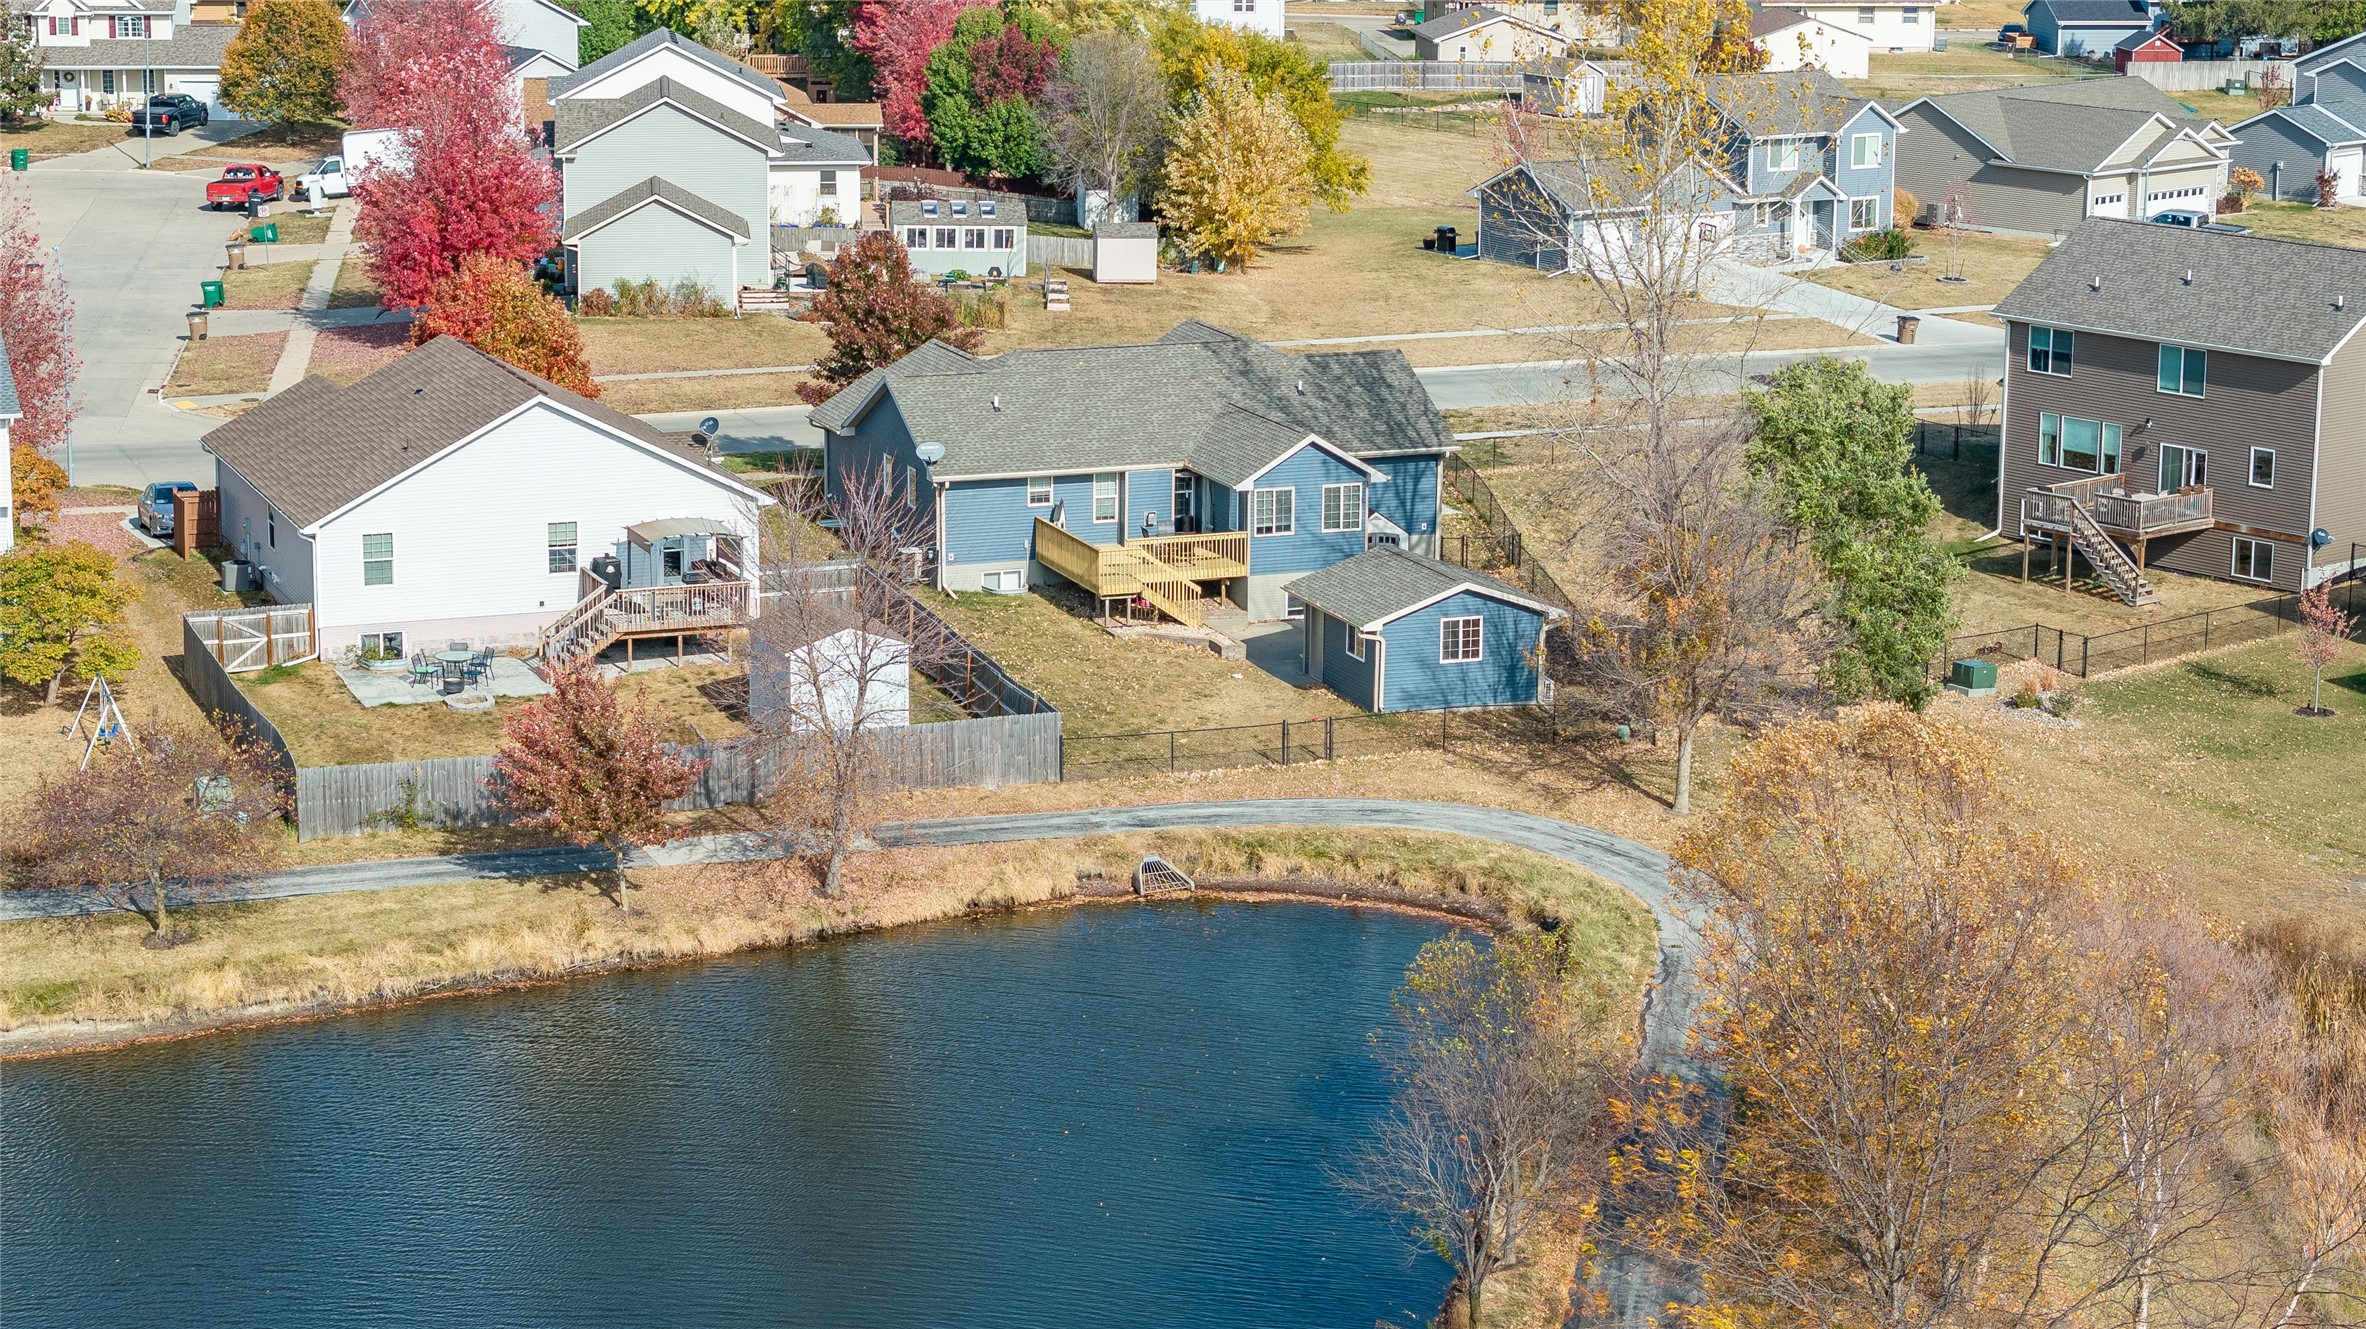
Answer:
(653, 345)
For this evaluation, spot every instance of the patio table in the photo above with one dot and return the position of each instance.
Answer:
(454, 657)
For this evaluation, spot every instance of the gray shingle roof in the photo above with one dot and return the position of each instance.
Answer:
(2073, 126)
(1125, 230)
(10, 408)
(642, 45)
(192, 46)
(632, 196)
(574, 121)
(823, 146)
(1160, 404)
(316, 447)
(1447, 25)
(2144, 294)
(1568, 183)
(1009, 209)
(1379, 584)
(2327, 122)
(2100, 11)
(1796, 101)
(2136, 39)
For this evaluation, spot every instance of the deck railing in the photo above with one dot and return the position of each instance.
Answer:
(1113, 571)
(1203, 557)
(2107, 499)
(597, 620)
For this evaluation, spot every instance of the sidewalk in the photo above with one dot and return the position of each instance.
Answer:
(307, 319)
(127, 154)
(1762, 288)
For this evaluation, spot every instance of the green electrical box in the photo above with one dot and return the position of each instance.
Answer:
(1972, 678)
(264, 233)
(20, 159)
(212, 292)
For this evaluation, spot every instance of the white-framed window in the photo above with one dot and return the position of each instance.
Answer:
(1006, 237)
(1244, 6)
(948, 238)
(1910, 16)
(829, 181)
(1006, 580)
(382, 645)
(377, 559)
(1039, 491)
(2183, 370)
(974, 238)
(1864, 151)
(1864, 214)
(2049, 439)
(1105, 496)
(1356, 649)
(561, 539)
(2254, 560)
(2049, 350)
(131, 25)
(1783, 155)
(1343, 507)
(2263, 468)
(1461, 640)
(960, 207)
(107, 81)
(1865, 18)
(915, 237)
(928, 207)
(1273, 512)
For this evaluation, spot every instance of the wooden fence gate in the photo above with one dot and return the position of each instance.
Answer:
(244, 640)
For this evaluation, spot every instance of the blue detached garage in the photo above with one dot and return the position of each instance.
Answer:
(1395, 631)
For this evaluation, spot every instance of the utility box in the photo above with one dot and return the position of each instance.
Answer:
(1972, 678)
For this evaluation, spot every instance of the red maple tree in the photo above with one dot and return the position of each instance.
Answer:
(581, 763)
(492, 305)
(899, 39)
(876, 314)
(468, 182)
(394, 57)
(36, 318)
(2323, 629)
(1012, 64)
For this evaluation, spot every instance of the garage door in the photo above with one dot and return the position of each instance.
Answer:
(208, 89)
(2345, 166)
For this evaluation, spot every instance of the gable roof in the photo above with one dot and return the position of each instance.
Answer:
(11, 410)
(1463, 20)
(807, 146)
(2331, 53)
(2143, 293)
(2073, 126)
(354, 439)
(657, 191)
(192, 46)
(575, 121)
(656, 39)
(1385, 583)
(2136, 40)
(1767, 20)
(848, 115)
(1785, 103)
(1568, 184)
(2098, 13)
(2330, 123)
(1200, 396)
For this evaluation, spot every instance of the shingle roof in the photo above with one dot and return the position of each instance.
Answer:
(858, 115)
(1125, 230)
(1569, 184)
(1771, 19)
(2073, 126)
(821, 145)
(1199, 396)
(1009, 209)
(642, 45)
(2327, 122)
(1794, 101)
(2136, 39)
(2144, 294)
(1447, 25)
(654, 188)
(579, 119)
(1379, 584)
(2101, 11)
(192, 46)
(316, 447)
(10, 408)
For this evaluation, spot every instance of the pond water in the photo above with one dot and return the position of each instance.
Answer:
(1097, 1116)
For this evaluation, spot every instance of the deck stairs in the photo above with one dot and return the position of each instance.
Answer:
(2119, 572)
(606, 615)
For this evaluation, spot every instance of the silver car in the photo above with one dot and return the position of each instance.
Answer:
(155, 513)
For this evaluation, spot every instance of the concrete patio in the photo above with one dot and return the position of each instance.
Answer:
(510, 678)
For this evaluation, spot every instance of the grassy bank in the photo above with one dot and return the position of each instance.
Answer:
(88, 982)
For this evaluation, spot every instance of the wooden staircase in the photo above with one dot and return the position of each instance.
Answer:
(1164, 572)
(2119, 572)
(607, 616)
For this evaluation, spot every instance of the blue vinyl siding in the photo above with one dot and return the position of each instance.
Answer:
(1865, 182)
(1416, 680)
(881, 434)
(1075, 494)
(2340, 81)
(1350, 678)
(1152, 492)
(1410, 498)
(988, 521)
(1308, 549)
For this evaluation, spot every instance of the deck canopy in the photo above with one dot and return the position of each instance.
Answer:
(647, 534)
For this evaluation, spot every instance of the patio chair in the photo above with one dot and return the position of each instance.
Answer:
(423, 670)
(480, 667)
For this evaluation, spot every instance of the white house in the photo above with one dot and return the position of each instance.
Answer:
(1794, 40)
(10, 413)
(1258, 16)
(667, 54)
(831, 672)
(818, 171)
(542, 37)
(1894, 27)
(449, 496)
(1486, 33)
(100, 53)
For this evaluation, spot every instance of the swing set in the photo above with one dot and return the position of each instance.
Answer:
(106, 721)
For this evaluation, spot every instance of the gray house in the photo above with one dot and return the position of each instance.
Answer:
(2037, 160)
(2087, 27)
(2323, 130)
(2191, 400)
(976, 232)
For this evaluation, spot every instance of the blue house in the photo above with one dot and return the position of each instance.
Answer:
(1176, 475)
(2088, 28)
(1392, 630)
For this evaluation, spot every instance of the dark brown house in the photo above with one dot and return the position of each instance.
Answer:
(2190, 400)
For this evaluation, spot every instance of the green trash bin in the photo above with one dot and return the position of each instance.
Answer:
(213, 293)
(264, 233)
(20, 159)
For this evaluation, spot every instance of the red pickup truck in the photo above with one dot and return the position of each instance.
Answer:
(245, 181)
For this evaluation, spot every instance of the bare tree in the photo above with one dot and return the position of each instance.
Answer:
(1104, 115)
(1501, 1064)
(1956, 217)
(831, 659)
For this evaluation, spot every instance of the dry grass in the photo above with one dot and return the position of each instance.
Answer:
(279, 286)
(652, 395)
(2302, 221)
(1995, 264)
(355, 288)
(295, 228)
(281, 956)
(303, 146)
(2218, 106)
(1967, 65)
(343, 355)
(1328, 41)
(226, 364)
(62, 138)
(654, 345)
(1994, 597)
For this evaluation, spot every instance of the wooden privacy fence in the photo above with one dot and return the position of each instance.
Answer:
(1059, 251)
(244, 640)
(211, 687)
(1425, 75)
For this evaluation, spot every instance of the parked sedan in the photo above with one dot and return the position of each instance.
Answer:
(155, 511)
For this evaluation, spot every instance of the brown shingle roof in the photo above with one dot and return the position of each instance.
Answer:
(316, 447)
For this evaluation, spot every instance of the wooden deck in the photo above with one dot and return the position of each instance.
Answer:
(2126, 515)
(607, 616)
(1164, 570)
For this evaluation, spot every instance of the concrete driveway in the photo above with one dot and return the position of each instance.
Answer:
(134, 245)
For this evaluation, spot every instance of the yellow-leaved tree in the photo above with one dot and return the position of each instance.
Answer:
(1236, 177)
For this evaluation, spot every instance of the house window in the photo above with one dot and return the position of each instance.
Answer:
(1039, 491)
(1105, 496)
(1007, 581)
(960, 208)
(829, 182)
(2263, 468)
(562, 546)
(948, 238)
(107, 81)
(1864, 151)
(2080, 445)
(148, 81)
(1865, 18)
(1244, 6)
(1355, 642)
(1273, 512)
(2183, 369)
(377, 559)
(271, 518)
(1910, 15)
(928, 207)
(915, 237)
(2049, 350)
(1765, 216)
(973, 238)
(986, 208)
(1783, 156)
(1186, 498)
(1005, 237)
(382, 645)
(131, 25)
(1864, 214)
(1459, 640)
(2049, 439)
(1343, 507)
(2255, 560)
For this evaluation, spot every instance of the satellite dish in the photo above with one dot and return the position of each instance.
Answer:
(710, 426)
(2319, 538)
(929, 453)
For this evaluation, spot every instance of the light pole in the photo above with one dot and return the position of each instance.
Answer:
(57, 258)
(147, 112)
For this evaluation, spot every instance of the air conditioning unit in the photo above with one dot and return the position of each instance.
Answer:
(911, 563)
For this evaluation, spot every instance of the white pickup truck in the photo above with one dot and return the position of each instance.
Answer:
(363, 150)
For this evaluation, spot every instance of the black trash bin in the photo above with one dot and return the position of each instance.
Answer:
(1445, 239)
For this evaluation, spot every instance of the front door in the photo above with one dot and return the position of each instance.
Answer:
(1186, 502)
(2183, 466)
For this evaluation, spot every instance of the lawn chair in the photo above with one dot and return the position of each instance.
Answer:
(423, 670)
(481, 667)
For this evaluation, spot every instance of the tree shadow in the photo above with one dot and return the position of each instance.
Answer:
(2248, 685)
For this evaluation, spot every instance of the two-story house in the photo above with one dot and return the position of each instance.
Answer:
(2035, 160)
(1153, 474)
(2161, 411)
(2321, 132)
(674, 167)
(95, 54)
(976, 232)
